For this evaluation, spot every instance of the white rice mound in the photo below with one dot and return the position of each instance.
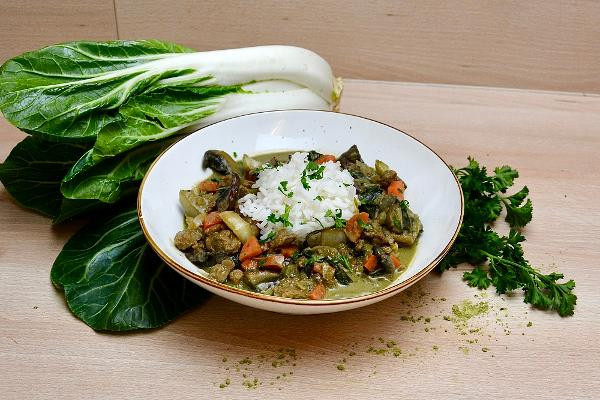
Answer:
(336, 190)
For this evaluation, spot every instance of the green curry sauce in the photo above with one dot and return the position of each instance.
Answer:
(363, 284)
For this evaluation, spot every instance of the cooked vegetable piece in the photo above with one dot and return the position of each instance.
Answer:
(254, 277)
(283, 238)
(396, 188)
(380, 167)
(197, 254)
(223, 241)
(187, 238)
(236, 276)
(242, 229)
(250, 163)
(314, 155)
(350, 156)
(221, 162)
(274, 262)
(326, 237)
(404, 225)
(396, 261)
(208, 186)
(294, 287)
(384, 259)
(371, 263)
(195, 204)
(227, 196)
(288, 251)
(220, 272)
(212, 219)
(250, 249)
(325, 158)
(318, 292)
(354, 227)
(250, 263)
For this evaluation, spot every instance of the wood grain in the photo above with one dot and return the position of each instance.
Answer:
(539, 44)
(552, 138)
(27, 25)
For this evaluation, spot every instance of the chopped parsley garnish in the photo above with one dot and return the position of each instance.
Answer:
(404, 204)
(312, 171)
(283, 189)
(215, 180)
(338, 221)
(304, 181)
(283, 218)
(266, 165)
(500, 260)
(235, 154)
(364, 225)
(319, 198)
(269, 237)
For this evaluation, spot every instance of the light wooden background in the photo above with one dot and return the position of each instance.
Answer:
(536, 44)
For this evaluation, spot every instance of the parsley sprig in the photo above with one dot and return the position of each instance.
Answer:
(500, 260)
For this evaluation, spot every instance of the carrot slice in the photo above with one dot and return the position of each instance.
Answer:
(353, 228)
(211, 219)
(274, 262)
(396, 262)
(371, 263)
(250, 249)
(288, 251)
(396, 188)
(325, 158)
(318, 268)
(249, 264)
(208, 186)
(318, 292)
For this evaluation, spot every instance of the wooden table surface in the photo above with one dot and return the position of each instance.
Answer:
(400, 348)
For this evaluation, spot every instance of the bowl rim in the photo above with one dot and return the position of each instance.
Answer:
(386, 291)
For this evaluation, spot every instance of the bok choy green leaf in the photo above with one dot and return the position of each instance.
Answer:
(32, 174)
(113, 281)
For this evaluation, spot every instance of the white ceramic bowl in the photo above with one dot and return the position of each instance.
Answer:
(433, 191)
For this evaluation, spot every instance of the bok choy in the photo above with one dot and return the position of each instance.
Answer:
(117, 96)
(98, 114)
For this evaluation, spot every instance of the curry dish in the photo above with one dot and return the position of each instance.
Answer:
(301, 225)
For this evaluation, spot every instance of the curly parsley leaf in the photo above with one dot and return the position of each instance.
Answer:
(504, 178)
(478, 278)
(518, 214)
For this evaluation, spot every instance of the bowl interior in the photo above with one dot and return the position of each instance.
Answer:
(433, 191)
